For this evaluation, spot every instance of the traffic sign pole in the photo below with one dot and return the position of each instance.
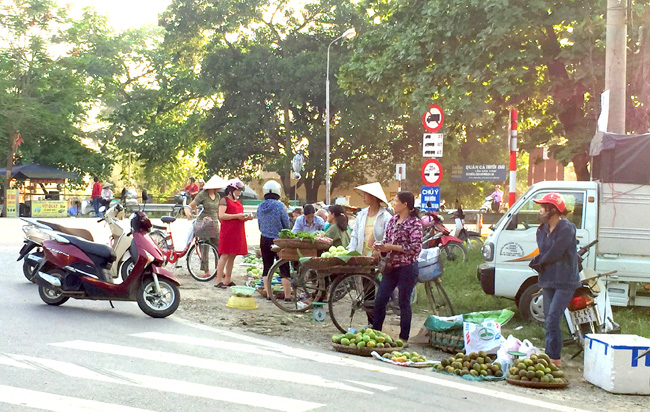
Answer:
(513, 157)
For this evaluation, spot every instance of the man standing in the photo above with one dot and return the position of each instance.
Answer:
(192, 189)
(96, 195)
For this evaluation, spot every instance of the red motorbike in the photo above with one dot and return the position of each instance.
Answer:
(436, 234)
(75, 268)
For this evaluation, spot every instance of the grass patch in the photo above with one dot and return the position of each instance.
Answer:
(466, 295)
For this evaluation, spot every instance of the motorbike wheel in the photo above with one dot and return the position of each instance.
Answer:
(52, 297)
(582, 330)
(154, 305)
(197, 255)
(454, 251)
(474, 242)
(125, 268)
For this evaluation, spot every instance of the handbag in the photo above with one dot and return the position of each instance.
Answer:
(205, 228)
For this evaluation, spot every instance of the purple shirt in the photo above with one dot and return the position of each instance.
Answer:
(407, 234)
(497, 196)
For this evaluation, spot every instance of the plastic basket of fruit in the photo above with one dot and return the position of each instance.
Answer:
(242, 290)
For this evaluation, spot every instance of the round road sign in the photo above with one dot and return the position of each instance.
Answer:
(431, 172)
(433, 118)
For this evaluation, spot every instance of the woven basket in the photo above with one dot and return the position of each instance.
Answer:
(361, 351)
(291, 254)
(538, 385)
(302, 244)
(326, 263)
(449, 341)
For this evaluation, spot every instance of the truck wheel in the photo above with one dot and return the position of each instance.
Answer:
(531, 304)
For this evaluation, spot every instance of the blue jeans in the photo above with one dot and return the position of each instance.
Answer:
(555, 302)
(404, 277)
(96, 205)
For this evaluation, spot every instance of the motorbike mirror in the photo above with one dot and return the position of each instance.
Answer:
(145, 195)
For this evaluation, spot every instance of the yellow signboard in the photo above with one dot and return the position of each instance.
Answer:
(12, 203)
(49, 208)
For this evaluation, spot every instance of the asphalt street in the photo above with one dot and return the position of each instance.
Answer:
(86, 356)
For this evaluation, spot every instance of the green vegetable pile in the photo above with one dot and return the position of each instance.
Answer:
(286, 234)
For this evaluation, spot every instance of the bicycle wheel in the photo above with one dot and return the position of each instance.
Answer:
(160, 239)
(306, 288)
(437, 297)
(453, 251)
(356, 299)
(202, 256)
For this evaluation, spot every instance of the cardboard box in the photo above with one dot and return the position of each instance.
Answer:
(611, 364)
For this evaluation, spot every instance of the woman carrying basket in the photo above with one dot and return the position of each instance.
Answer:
(402, 245)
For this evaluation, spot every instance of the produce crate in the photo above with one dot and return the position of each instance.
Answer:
(292, 253)
(302, 244)
(450, 341)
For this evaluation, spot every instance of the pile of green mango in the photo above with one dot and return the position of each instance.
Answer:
(367, 338)
(397, 356)
(537, 368)
(474, 363)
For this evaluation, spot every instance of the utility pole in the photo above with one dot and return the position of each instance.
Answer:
(615, 64)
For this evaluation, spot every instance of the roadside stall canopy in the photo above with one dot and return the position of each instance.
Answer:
(619, 158)
(39, 174)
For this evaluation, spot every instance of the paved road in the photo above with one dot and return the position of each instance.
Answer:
(85, 356)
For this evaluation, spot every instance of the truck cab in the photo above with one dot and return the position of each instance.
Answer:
(512, 244)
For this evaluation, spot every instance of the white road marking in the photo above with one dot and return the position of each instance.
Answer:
(209, 364)
(377, 386)
(6, 360)
(57, 403)
(255, 399)
(340, 360)
(210, 343)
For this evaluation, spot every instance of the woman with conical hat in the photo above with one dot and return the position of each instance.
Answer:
(371, 222)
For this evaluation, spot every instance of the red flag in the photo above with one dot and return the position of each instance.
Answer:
(18, 141)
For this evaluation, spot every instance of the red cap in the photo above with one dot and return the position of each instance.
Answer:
(554, 199)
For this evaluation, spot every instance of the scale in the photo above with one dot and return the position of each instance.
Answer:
(318, 311)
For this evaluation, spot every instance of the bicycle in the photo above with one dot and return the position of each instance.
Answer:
(181, 202)
(197, 251)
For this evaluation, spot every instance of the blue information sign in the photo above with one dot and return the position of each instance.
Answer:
(430, 198)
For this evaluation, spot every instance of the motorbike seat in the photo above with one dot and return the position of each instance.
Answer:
(168, 219)
(105, 252)
(82, 233)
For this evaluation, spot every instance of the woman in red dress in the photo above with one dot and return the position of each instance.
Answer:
(232, 237)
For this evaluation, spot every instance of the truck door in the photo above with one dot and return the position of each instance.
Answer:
(517, 245)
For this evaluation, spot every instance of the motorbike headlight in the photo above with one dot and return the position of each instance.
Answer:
(488, 251)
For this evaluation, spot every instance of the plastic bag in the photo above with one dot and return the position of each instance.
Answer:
(500, 316)
(511, 344)
(528, 348)
(443, 323)
(483, 337)
(205, 228)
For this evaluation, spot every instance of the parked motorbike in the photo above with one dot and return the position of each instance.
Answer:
(470, 238)
(436, 234)
(35, 234)
(75, 268)
(121, 240)
(589, 311)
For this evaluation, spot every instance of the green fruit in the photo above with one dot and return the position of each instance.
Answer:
(546, 378)
(380, 345)
(445, 362)
(539, 374)
(476, 367)
(482, 354)
(521, 365)
(515, 377)
(336, 338)
(473, 355)
(522, 373)
(352, 345)
(524, 379)
(439, 367)
(535, 379)
(371, 344)
(361, 344)
(473, 372)
(530, 374)
(459, 355)
(557, 374)
(366, 338)
(345, 341)
(372, 335)
(498, 373)
(528, 362)
(483, 373)
(349, 335)
(480, 360)
(386, 355)
(399, 343)
(513, 370)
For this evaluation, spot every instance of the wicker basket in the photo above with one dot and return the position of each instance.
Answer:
(302, 244)
(538, 385)
(361, 351)
(449, 341)
(291, 254)
(326, 263)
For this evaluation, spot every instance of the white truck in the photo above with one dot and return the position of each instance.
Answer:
(617, 214)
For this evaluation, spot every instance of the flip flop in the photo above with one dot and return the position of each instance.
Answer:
(219, 285)
(231, 284)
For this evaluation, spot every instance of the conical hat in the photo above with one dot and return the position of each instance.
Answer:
(373, 189)
(215, 182)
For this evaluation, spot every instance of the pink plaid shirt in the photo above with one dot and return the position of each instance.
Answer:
(407, 234)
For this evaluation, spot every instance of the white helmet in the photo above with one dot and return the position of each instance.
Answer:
(272, 187)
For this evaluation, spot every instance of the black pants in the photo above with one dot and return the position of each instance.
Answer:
(269, 257)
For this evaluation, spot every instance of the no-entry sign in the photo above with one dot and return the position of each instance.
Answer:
(433, 118)
(431, 172)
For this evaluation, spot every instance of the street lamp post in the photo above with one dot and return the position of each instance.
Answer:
(348, 34)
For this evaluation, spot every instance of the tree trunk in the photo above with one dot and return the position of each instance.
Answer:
(580, 162)
(311, 189)
(10, 164)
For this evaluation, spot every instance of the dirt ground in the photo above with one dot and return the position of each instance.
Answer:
(203, 303)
